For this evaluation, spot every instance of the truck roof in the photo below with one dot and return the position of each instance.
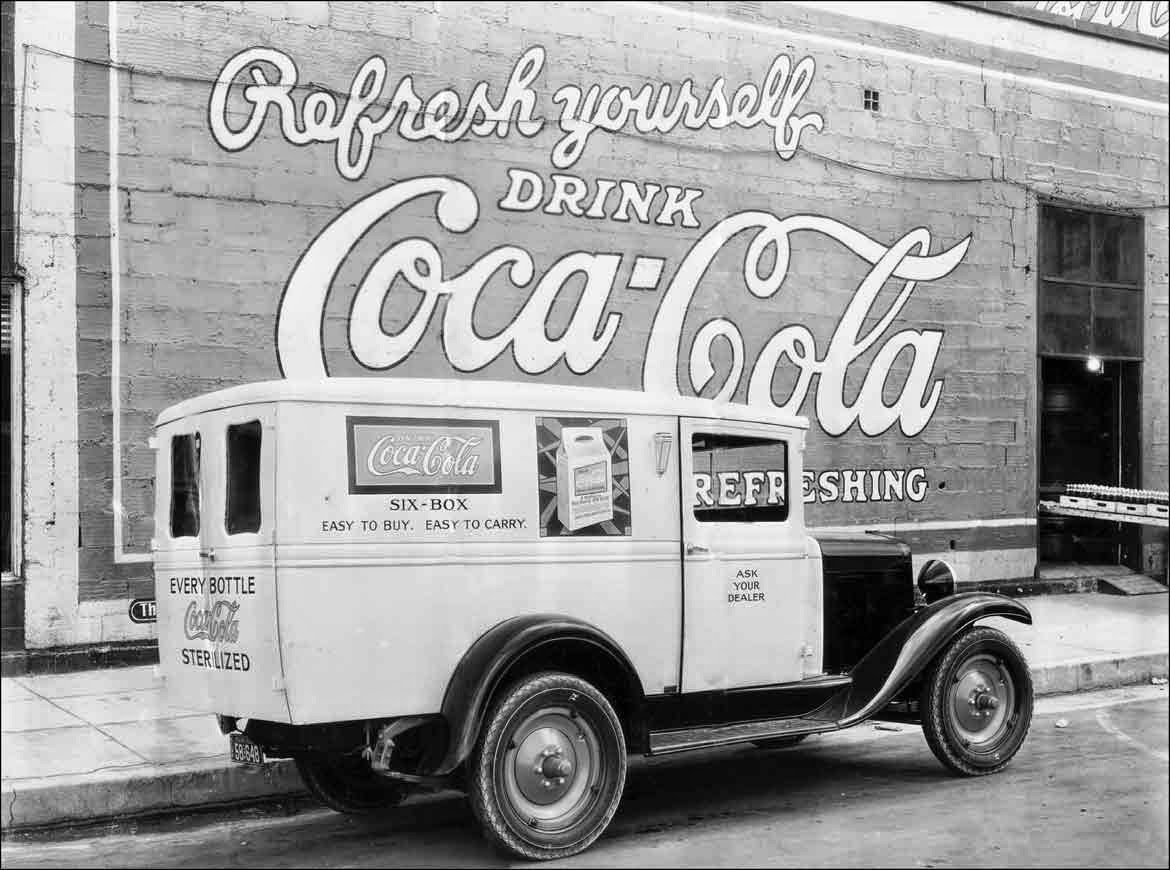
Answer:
(471, 393)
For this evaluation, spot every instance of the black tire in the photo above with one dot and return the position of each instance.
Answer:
(779, 742)
(346, 784)
(548, 771)
(976, 703)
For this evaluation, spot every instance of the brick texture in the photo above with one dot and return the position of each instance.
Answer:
(209, 237)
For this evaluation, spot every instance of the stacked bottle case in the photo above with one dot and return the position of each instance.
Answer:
(1116, 499)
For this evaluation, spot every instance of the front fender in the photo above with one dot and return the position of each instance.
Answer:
(905, 652)
(486, 665)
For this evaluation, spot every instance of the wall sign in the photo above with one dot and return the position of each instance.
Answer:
(872, 372)
(143, 610)
(1146, 17)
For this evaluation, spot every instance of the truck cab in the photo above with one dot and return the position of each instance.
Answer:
(407, 584)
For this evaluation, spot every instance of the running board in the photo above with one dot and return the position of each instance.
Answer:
(686, 739)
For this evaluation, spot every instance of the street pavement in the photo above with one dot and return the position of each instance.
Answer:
(1089, 788)
(108, 744)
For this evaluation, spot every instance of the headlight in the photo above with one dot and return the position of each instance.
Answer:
(937, 580)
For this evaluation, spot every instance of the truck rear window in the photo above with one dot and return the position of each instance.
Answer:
(243, 478)
(739, 478)
(185, 485)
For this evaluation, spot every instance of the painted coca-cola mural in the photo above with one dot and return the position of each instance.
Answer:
(793, 208)
(733, 264)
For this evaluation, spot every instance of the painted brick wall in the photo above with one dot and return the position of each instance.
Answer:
(967, 139)
(1156, 378)
(8, 143)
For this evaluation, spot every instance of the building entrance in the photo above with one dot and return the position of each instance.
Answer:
(1090, 416)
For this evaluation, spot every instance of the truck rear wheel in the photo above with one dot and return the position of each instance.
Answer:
(548, 772)
(347, 785)
(976, 703)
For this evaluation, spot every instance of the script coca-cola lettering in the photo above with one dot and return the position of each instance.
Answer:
(417, 264)
(407, 454)
(444, 455)
(217, 623)
(413, 278)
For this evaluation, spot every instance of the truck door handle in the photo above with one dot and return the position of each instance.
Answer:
(696, 550)
(209, 553)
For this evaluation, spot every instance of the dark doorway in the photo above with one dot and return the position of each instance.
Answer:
(1089, 422)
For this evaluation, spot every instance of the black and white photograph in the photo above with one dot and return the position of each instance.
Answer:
(640, 433)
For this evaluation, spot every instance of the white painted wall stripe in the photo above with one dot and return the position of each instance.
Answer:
(120, 554)
(1152, 70)
(927, 525)
(1008, 34)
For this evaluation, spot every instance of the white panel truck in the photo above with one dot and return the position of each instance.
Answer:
(410, 584)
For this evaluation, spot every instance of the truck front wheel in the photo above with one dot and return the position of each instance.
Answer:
(976, 703)
(346, 784)
(548, 772)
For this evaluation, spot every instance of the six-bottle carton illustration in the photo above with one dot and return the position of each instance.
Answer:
(584, 478)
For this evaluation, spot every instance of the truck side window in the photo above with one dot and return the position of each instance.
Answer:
(243, 478)
(739, 478)
(184, 485)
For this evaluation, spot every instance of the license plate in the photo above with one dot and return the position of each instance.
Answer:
(245, 751)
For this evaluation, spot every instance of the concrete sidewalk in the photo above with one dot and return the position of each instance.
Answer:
(105, 744)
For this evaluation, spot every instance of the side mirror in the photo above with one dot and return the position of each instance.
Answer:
(937, 580)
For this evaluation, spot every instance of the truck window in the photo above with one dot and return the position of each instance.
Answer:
(185, 485)
(739, 478)
(243, 478)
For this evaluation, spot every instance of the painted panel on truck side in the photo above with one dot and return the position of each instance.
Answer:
(413, 579)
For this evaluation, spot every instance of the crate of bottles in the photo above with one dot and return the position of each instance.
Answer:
(1115, 499)
(1085, 497)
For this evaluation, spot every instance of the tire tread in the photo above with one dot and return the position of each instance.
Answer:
(480, 774)
(933, 705)
(314, 784)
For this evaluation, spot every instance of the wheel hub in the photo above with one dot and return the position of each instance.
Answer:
(544, 765)
(551, 768)
(556, 768)
(981, 699)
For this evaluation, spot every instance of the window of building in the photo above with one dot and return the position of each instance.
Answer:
(1090, 284)
(185, 485)
(739, 479)
(243, 478)
(871, 100)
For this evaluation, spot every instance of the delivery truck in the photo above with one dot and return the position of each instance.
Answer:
(410, 584)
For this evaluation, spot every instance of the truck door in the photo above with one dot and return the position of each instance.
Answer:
(177, 543)
(218, 638)
(751, 608)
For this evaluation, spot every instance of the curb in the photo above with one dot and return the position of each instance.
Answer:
(144, 791)
(72, 659)
(1086, 674)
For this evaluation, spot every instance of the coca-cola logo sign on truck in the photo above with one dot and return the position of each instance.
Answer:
(216, 623)
(422, 455)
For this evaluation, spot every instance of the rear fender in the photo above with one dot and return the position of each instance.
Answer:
(903, 654)
(525, 642)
